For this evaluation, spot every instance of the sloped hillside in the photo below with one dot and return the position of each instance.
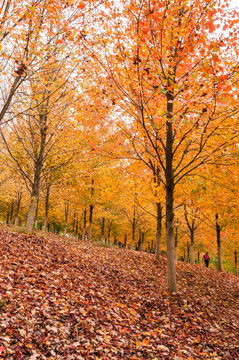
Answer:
(67, 300)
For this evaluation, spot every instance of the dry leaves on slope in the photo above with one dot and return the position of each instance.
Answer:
(66, 300)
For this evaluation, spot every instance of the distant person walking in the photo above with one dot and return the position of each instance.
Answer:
(206, 259)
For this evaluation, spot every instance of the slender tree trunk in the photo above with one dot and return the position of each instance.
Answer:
(188, 253)
(77, 225)
(84, 225)
(192, 258)
(33, 202)
(109, 231)
(159, 231)
(152, 248)
(170, 245)
(91, 211)
(66, 217)
(90, 221)
(103, 229)
(19, 198)
(236, 267)
(138, 246)
(133, 230)
(7, 220)
(142, 241)
(11, 211)
(46, 207)
(219, 248)
(37, 174)
(73, 224)
(199, 257)
(176, 243)
(125, 240)
(115, 240)
(36, 213)
(31, 212)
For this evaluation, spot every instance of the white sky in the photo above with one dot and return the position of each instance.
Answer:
(234, 4)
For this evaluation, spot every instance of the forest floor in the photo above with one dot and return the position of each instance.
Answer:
(62, 299)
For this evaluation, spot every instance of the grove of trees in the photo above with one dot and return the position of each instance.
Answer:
(119, 123)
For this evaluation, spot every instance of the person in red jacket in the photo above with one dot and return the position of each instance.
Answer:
(206, 259)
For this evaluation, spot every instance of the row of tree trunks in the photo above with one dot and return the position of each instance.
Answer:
(192, 227)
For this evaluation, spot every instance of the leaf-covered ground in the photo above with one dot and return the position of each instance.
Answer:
(66, 300)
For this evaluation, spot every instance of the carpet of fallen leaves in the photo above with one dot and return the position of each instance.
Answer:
(64, 299)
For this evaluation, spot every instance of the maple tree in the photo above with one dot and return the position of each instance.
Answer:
(171, 75)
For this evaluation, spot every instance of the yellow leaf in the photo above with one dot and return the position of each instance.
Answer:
(138, 344)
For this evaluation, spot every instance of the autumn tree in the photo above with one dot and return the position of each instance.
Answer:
(170, 74)
(39, 143)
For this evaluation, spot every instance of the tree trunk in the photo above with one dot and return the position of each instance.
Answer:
(188, 253)
(36, 213)
(46, 207)
(176, 243)
(91, 211)
(152, 248)
(74, 222)
(133, 230)
(170, 245)
(37, 174)
(138, 246)
(90, 221)
(33, 203)
(66, 217)
(19, 198)
(7, 220)
(77, 225)
(219, 248)
(125, 240)
(84, 225)
(109, 231)
(115, 240)
(103, 229)
(159, 231)
(236, 267)
(11, 211)
(142, 241)
(192, 258)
